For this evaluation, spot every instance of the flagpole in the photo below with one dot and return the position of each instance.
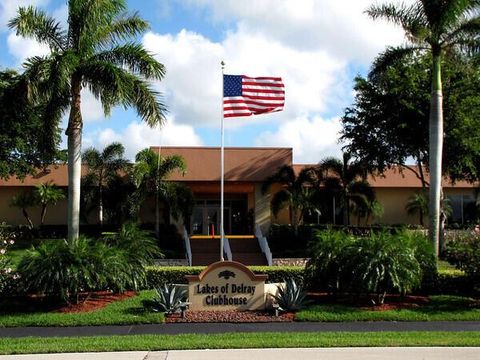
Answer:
(222, 175)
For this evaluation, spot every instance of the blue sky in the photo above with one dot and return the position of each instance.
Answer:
(316, 46)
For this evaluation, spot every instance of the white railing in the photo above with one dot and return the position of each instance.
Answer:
(262, 241)
(227, 249)
(188, 249)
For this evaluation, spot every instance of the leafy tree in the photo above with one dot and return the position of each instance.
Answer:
(388, 123)
(148, 174)
(347, 179)
(439, 27)
(93, 53)
(24, 200)
(296, 192)
(103, 170)
(26, 142)
(47, 194)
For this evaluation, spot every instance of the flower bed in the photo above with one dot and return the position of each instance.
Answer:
(228, 317)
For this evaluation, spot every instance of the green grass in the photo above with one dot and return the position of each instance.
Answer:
(129, 311)
(439, 308)
(235, 341)
(444, 267)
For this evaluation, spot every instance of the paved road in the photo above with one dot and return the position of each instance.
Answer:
(433, 353)
(216, 328)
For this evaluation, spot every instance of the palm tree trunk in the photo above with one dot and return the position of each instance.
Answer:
(27, 217)
(435, 151)
(42, 214)
(100, 206)
(74, 133)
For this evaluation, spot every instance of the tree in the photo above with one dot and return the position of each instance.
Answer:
(24, 200)
(26, 142)
(439, 27)
(388, 122)
(418, 202)
(148, 174)
(93, 53)
(103, 169)
(47, 194)
(347, 179)
(296, 192)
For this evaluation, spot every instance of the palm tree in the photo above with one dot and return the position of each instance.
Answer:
(148, 173)
(93, 52)
(348, 181)
(437, 27)
(47, 194)
(103, 169)
(24, 200)
(418, 203)
(296, 192)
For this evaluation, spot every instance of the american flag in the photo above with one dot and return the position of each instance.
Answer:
(245, 96)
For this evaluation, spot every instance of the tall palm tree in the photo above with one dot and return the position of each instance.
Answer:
(348, 181)
(148, 174)
(437, 27)
(47, 194)
(296, 192)
(93, 52)
(103, 168)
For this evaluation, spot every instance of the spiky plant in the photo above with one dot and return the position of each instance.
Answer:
(170, 299)
(290, 296)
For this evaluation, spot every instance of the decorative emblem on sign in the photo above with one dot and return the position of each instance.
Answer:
(226, 274)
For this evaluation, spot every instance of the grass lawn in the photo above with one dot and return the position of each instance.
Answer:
(129, 311)
(235, 341)
(440, 307)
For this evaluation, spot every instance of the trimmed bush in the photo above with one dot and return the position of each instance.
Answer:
(159, 275)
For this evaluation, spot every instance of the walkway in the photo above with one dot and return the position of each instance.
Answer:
(216, 328)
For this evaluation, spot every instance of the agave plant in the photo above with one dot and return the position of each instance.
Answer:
(170, 299)
(291, 296)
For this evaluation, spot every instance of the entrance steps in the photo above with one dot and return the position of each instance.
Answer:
(206, 250)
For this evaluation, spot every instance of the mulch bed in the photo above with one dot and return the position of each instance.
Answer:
(228, 317)
(94, 301)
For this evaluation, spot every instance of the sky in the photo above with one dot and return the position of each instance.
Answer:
(316, 46)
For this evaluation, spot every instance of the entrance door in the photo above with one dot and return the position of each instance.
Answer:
(206, 219)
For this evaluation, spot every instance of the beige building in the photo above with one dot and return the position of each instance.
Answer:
(245, 170)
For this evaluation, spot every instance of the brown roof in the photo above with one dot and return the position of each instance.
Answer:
(55, 173)
(241, 164)
(399, 178)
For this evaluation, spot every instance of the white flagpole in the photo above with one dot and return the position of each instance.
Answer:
(222, 170)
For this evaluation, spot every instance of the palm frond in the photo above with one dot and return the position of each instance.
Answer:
(133, 57)
(35, 23)
(124, 27)
(285, 175)
(279, 200)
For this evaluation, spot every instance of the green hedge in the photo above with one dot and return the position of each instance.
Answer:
(158, 275)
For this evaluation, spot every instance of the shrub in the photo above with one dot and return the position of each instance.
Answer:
(6, 240)
(291, 296)
(383, 262)
(64, 268)
(329, 250)
(464, 253)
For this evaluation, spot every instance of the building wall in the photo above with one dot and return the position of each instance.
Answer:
(56, 214)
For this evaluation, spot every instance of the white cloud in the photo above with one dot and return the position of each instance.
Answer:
(23, 48)
(340, 28)
(137, 136)
(92, 109)
(192, 84)
(8, 9)
(311, 139)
